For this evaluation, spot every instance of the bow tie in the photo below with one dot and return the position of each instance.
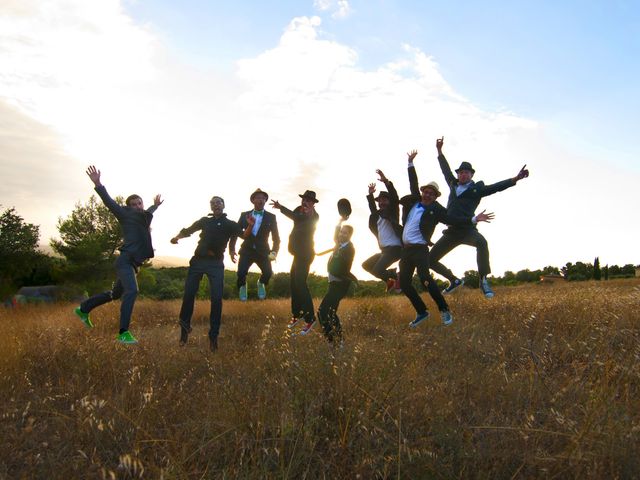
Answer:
(256, 213)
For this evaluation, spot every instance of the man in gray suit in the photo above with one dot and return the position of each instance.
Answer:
(464, 197)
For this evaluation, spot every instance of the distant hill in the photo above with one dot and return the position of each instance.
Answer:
(160, 262)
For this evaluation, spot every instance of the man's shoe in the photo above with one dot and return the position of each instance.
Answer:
(391, 283)
(262, 291)
(294, 321)
(447, 319)
(126, 338)
(84, 317)
(307, 327)
(242, 292)
(453, 286)
(421, 317)
(213, 344)
(184, 337)
(486, 288)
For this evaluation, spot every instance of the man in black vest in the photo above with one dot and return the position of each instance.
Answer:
(208, 259)
(340, 278)
(135, 223)
(420, 215)
(302, 248)
(464, 197)
(384, 223)
(255, 248)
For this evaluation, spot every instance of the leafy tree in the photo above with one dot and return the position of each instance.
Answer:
(606, 272)
(18, 249)
(471, 279)
(89, 239)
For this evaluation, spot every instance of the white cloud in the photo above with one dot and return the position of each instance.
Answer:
(340, 8)
(302, 115)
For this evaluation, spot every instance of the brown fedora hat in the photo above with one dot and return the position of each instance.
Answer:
(433, 186)
(309, 195)
(257, 192)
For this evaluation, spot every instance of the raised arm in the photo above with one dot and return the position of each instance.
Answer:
(444, 165)
(504, 184)
(284, 210)
(94, 175)
(157, 201)
(373, 208)
(413, 176)
(187, 232)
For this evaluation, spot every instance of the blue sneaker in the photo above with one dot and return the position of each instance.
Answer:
(486, 288)
(262, 291)
(453, 286)
(243, 293)
(421, 317)
(447, 319)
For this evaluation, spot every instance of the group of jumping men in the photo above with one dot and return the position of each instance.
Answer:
(403, 236)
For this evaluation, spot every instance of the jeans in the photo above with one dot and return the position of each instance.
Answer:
(125, 287)
(328, 311)
(377, 264)
(248, 258)
(301, 302)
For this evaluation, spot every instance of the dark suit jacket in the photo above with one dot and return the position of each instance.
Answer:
(465, 205)
(301, 237)
(341, 259)
(260, 242)
(432, 214)
(391, 213)
(135, 226)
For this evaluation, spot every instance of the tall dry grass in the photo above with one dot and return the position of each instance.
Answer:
(539, 382)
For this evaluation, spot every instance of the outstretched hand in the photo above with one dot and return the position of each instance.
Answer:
(275, 204)
(94, 175)
(382, 176)
(485, 217)
(439, 143)
(523, 173)
(157, 201)
(411, 155)
(372, 188)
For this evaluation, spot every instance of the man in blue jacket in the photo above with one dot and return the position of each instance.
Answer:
(135, 223)
(464, 197)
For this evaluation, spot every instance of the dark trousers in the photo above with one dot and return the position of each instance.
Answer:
(328, 311)
(417, 258)
(125, 287)
(450, 240)
(378, 264)
(214, 270)
(248, 258)
(301, 302)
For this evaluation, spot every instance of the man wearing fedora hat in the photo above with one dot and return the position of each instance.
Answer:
(384, 223)
(420, 215)
(301, 246)
(464, 198)
(255, 248)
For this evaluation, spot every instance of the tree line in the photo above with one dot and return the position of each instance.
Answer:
(88, 245)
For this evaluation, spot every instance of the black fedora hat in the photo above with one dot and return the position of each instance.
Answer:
(309, 195)
(382, 194)
(465, 166)
(344, 208)
(257, 192)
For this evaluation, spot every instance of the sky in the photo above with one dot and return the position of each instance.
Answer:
(198, 98)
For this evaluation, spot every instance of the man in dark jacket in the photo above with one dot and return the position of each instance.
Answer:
(255, 248)
(464, 197)
(135, 223)
(340, 278)
(384, 223)
(420, 215)
(208, 259)
(302, 248)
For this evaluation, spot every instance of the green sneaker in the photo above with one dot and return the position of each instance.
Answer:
(126, 337)
(262, 291)
(84, 317)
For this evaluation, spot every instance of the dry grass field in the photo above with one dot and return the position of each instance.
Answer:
(540, 382)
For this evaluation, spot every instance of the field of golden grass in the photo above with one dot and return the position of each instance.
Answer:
(540, 382)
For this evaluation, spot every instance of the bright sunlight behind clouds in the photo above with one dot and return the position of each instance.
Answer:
(83, 84)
